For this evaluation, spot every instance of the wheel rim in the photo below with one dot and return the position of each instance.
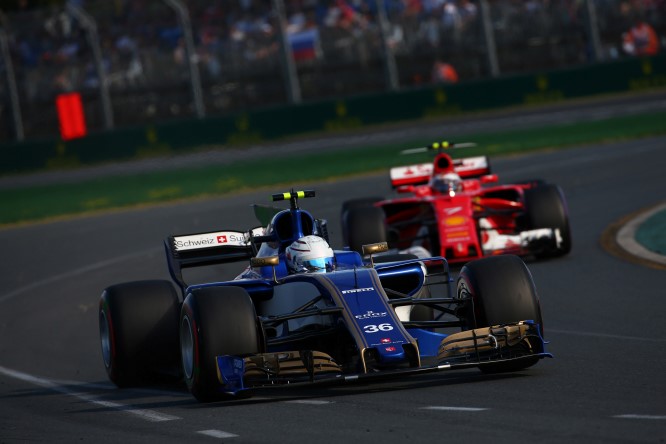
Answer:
(187, 347)
(105, 338)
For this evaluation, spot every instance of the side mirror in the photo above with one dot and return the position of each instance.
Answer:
(268, 261)
(265, 261)
(370, 249)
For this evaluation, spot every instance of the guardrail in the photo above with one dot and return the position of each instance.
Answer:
(634, 74)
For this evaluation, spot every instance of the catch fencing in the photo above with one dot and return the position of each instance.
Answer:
(147, 61)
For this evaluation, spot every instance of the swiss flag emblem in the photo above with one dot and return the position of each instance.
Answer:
(222, 239)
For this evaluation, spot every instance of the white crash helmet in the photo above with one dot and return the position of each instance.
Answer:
(309, 254)
(448, 183)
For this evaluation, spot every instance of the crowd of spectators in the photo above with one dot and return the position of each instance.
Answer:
(143, 43)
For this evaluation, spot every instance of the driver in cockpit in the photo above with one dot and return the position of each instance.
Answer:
(309, 254)
(448, 183)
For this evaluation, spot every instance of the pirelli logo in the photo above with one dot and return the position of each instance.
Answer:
(358, 290)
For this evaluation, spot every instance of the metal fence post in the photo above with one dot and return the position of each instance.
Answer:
(88, 23)
(389, 57)
(489, 35)
(593, 31)
(190, 54)
(291, 75)
(11, 85)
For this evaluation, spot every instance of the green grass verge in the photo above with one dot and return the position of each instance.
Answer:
(44, 202)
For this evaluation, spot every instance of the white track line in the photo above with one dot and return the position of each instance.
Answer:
(455, 409)
(309, 401)
(633, 416)
(148, 415)
(217, 434)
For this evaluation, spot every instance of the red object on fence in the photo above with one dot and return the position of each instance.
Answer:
(70, 116)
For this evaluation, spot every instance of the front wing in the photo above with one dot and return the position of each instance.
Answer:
(489, 346)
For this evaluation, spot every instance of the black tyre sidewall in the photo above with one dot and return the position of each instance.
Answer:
(502, 289)
(364, 225)
(503, 293)
(142, 322)
(348, 205)
(546, 207)
(223, 322)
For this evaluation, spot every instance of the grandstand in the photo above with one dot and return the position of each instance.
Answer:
(132, 63)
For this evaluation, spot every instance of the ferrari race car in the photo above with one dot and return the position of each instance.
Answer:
(303, 313)
(455, 209)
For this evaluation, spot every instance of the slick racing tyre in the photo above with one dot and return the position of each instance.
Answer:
(503, 292)
(215, 321)
(546, 208)
(138, 326)
(348, 205)
(364, 225)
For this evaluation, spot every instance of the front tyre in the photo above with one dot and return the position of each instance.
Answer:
(215, 321)
(138, 326)
(503, 292)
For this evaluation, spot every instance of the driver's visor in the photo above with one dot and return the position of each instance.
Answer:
(319, 265)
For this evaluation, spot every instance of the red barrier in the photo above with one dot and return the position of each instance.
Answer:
(70, 116)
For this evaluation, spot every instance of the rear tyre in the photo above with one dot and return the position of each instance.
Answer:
(348, 205)
(364, 225)
(546, 208)
(215, 321)
(138, 326)
(503, 292)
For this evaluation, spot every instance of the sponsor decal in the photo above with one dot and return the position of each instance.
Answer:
(230, 238)
(377, 328)
(453, 210)
(386, 342)
(457, 234)
(205, 240)
(454, 221)
(238, 364)
(371, 314)
(193, 243)
(390, 349)
(358, 290)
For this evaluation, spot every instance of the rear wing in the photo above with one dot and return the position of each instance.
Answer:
(420, 174)
(201, 249)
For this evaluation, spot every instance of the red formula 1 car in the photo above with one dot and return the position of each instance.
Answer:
(457, 210)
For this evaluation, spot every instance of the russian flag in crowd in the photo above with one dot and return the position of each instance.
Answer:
(304, 44)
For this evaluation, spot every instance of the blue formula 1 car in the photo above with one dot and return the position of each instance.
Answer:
(302, 313)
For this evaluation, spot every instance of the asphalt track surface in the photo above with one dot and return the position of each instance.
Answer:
(603, 316)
